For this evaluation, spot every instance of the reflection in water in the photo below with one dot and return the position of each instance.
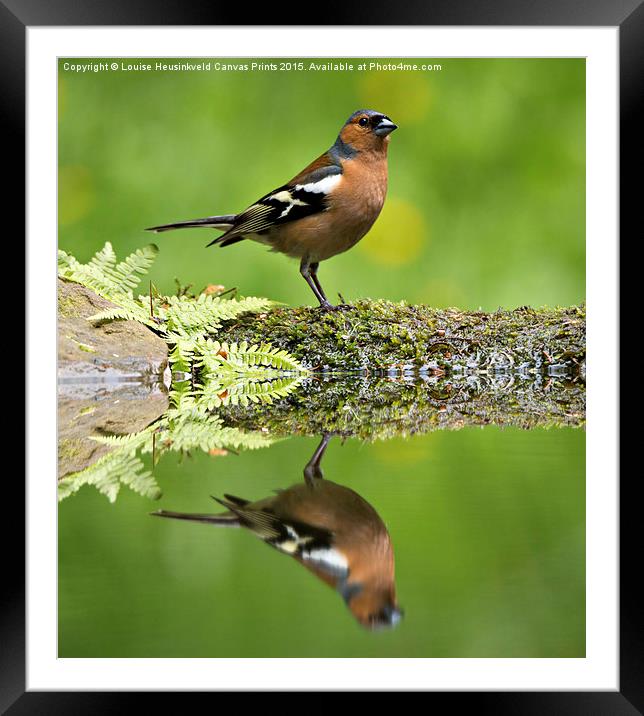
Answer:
(331, 531)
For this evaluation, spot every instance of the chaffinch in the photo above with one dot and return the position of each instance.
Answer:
(322, 211)
(330, 530)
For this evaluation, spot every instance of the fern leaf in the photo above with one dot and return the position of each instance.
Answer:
(122, 466)
(121, 314)
(105, 259)
(214, 393)
(197, 429)
(66, 263)
(245, 359)
(105, 277)
(192, 318)
(143, 483)
(182, 395)
(128, 440)
(182, 354)
(125, 273)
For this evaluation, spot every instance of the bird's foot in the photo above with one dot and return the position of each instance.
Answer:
(328, 307)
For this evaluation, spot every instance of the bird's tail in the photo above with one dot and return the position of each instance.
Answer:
(223, 222)
(223, 520)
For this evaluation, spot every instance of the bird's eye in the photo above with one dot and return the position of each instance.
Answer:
(363, 121)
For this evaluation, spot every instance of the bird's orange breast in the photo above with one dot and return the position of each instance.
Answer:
(354, 205)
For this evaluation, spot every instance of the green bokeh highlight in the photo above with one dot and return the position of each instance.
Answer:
(486, 203)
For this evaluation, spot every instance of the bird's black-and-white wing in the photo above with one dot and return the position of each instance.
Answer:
(310, 543)
(288, 203)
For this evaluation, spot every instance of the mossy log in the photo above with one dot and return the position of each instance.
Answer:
(384, 369)
(370, 336)
(385, 337)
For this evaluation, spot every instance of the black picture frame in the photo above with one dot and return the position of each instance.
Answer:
(17, 15)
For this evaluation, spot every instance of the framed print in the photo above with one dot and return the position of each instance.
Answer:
(392, 397)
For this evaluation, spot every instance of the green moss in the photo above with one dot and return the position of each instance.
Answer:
(82, 346)
(378, 408)
(379, 335)
(71, 449)
(445, 369)
(70, 306)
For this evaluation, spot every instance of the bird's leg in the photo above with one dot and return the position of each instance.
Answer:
(312, 469)
(310, 273)
(311, 279)
(316, 280)
(314, 275)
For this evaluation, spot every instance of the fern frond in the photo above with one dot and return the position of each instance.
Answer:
(143, 483)
(191, 317)
(105, 277)
(130, 313)
(85, 274)
(182, 353)
(122, 466)
(236, 439)
(243, 391)
(128, 440)
(250, 304)
(198, 429)
(125, 273)
(105, 259)
(182, 395)
(245, 359)
(66, 263)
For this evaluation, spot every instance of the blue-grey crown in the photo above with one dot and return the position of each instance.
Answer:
(368, 112)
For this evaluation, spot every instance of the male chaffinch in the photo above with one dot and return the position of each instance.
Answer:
(322, 211)
(330, 530)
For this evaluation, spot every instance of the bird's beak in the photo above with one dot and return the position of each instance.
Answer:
(385, 127)
(394, 614)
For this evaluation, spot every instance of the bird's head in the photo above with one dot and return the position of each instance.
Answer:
(374, 608)
(367, 130)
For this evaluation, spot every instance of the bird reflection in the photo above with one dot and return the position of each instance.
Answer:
(330, 530)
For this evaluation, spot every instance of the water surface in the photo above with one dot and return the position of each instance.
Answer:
(486, 524)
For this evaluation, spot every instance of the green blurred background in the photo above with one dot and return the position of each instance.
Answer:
(486, 202)
(485, 209)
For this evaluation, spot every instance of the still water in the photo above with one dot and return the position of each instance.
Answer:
(451, 543)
